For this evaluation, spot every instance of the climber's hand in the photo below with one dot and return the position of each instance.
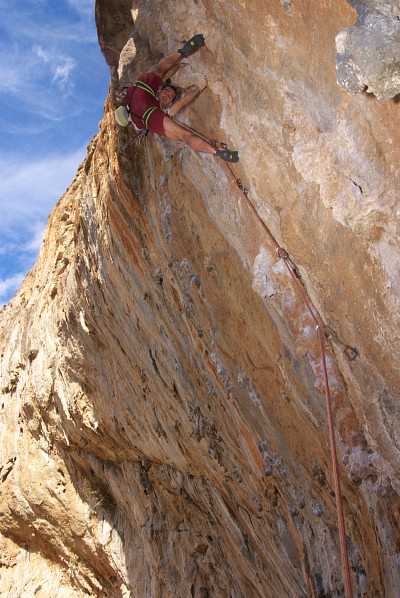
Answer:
(204, 84)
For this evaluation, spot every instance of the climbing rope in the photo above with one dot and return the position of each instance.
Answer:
(323, 333)
(351, 353)
(348, 590)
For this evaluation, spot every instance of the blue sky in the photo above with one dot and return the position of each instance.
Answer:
(53, 84)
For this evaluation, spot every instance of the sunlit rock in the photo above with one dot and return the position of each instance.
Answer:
(163, 418)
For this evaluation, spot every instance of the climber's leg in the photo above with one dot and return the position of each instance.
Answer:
(174, 131)
(166, 63)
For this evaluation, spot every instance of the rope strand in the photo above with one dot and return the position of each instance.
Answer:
(348, 591)
(339, 508)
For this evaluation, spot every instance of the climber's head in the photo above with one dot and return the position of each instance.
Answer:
(167, 95)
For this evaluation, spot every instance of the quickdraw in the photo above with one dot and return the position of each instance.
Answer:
(280, 252)
(138, 138)
(350, 352)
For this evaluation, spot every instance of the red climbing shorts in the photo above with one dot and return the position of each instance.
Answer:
(139, 101)
(155, 124)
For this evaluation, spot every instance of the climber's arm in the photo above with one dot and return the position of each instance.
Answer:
(183, 102)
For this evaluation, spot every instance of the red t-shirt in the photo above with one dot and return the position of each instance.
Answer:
(139, 100)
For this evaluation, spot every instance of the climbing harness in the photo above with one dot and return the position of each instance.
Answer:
(149, 111)
(119, 114)
(145, 87)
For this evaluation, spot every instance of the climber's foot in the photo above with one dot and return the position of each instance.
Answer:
(218, 145)
(192, 45)
(227, 155)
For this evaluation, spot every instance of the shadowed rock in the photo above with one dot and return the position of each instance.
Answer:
(368, 54)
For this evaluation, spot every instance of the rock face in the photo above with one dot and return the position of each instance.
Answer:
(163, 422)
(368, 54)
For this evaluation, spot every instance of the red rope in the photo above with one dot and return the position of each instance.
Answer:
(348, 591)
(342, 532)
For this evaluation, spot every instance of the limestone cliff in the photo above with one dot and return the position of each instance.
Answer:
(163, 423)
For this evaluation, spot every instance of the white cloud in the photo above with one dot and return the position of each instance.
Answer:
(62, 72)
(32, 245)
(28, 191)
(60, 66)
(40, 57)
(29, 79)
(40, 53)
(8, 286)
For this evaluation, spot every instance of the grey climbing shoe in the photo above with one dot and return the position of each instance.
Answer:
(192, 45)
(227, 155)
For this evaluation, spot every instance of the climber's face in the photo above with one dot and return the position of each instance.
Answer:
(166, 96)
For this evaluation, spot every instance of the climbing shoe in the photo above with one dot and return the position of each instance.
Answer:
(227, 155)
(192, 45)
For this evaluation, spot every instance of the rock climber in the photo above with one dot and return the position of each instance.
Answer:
(151, 103)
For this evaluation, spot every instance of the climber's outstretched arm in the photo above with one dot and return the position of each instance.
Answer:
(182, 102)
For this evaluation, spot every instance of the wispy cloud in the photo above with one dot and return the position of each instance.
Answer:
(8, 286)
(28, 191)
(37, 21)
(60, 67)
(63, 71)
(40, 54)
(34, 240)
(29, 75)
